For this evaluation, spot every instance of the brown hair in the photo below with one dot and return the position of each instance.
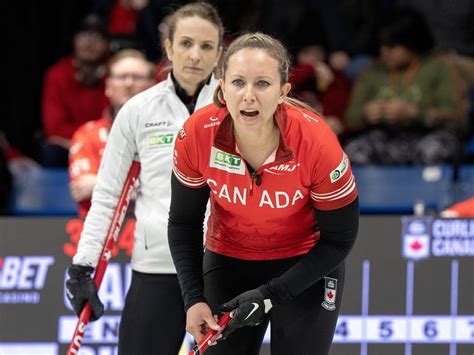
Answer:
(132, 53)
(273, 47)
(200, 9)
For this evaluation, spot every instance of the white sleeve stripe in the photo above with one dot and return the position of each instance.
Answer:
(177, 172)
(188, 181)
(338, 195)
(336, 191)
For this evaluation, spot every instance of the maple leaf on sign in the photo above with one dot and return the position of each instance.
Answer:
(416, 245)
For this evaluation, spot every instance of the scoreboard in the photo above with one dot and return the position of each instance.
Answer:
(409, 289)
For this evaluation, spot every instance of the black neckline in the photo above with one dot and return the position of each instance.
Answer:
(188, 101)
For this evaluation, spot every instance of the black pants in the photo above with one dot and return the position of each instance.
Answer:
(153, 319)
(300, 327)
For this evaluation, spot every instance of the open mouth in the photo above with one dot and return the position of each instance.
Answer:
(249, 113)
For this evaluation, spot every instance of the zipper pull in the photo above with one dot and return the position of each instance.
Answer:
(252, 175)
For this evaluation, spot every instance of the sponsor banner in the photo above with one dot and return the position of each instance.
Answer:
(425, 237)
(22, 278)
(35, 314)
(36, 317)
(102, 331)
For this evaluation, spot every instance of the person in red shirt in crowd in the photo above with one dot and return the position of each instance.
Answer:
(73, 91)
(121, 18)
(130, 73)
(284, 210)
(323, 85)
(463, 209)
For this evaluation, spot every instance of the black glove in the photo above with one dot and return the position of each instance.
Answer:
(248, 309)
(81, 288)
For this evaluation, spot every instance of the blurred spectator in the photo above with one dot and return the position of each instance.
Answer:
(350, 30)
(73, 91)
(18, 163)
(408, 104)
(451, 21)
(129, 74)
(324, 87)
(464, 209)
(134, 23)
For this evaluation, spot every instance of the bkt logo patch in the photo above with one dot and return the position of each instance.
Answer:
(225, 161)
(416, 240)
(228, 159)
(160, 140)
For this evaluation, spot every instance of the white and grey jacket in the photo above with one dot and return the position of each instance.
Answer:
(145, 128)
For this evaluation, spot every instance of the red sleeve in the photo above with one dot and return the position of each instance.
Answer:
(186, 156)
(333, 185)
(82, 155)
(336, 98)
(464, 209)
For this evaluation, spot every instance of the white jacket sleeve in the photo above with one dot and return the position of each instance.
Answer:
(119, 153)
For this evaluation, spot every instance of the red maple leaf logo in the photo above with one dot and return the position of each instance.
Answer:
(330, 295)
(416, 245)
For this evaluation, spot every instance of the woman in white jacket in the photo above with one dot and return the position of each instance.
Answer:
(153, 319)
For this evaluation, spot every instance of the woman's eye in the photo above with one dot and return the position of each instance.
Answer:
(207, 47)
(186, 44)
(238, 82)
(263, 83)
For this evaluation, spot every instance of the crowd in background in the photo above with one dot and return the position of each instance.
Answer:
(394, 78)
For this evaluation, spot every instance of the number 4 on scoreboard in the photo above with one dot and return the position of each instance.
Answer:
(342, 329)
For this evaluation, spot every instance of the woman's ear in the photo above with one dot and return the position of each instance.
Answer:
(169, 49)
(285, 89)
(221, 84)
(221, 48)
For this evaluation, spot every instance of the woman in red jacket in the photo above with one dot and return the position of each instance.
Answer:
(284, 210)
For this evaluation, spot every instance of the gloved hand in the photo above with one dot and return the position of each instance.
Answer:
(248, 309)
(80, 287)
